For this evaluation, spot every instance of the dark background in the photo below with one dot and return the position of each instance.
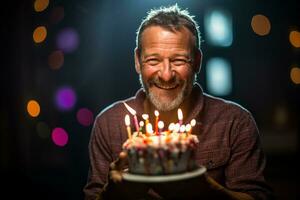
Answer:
(101, 71)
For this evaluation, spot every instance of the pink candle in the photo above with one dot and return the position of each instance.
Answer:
(136, 123)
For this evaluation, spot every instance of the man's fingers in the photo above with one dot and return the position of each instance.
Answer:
(121, 161)
(116, 176)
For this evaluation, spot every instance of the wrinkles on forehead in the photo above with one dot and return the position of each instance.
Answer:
(156, 39)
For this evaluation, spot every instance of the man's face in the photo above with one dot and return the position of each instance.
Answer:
(166, 66)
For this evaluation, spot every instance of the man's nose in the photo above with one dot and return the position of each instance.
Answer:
(166, 73)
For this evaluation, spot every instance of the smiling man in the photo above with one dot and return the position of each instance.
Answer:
(167, 59)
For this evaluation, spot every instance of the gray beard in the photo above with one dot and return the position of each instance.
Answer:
(175, 103)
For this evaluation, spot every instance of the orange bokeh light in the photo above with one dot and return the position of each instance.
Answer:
(40, 5)
(33, 108)
(295, 38)
(261, 25)
(295, 75)
(39, 34)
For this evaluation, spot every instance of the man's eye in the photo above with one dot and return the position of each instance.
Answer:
(179, 62)
(152, 61)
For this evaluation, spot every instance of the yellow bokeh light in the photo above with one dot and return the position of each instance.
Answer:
(295, 75)
(56, 59)
(40, 5)
(261, 25)
(39, 34)
(295, 38)
(33, 108)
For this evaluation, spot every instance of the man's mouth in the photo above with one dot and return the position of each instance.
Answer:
(166, 87)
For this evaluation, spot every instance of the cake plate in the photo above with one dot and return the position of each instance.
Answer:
(164, 178)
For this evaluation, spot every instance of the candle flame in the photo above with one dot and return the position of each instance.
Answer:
(156, 113)
(131, 110)
(180, 115)
(141, 123)
(127, 120)
(193, 122)
(171, 126)
(160, 124)
(188, 128)
(145, 116)
(149, 128)
(182, 128)
(176, 127)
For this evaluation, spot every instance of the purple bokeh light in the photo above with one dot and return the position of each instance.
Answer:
(59, 137)
(65, 98)
(85, 117)
(67, 40)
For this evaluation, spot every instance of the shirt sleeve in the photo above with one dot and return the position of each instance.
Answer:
(100, 158)
(244, 172)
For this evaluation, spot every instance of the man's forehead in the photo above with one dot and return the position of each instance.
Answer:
(159, 38)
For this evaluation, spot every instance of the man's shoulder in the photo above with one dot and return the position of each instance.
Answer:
(221, 104)
(115, 109)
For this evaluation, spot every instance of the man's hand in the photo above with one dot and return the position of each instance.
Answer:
(117, 188)
(117, 167)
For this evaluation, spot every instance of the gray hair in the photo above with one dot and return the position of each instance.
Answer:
(172, 18)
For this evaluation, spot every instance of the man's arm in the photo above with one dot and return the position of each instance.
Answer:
(226, 192)
(100, 158)
(244, 172)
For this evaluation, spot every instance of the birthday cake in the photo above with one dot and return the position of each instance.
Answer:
(159, 152)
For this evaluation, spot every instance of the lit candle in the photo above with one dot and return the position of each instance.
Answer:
(127, 123)
(193, 123)
(141, 126)
(176, 128)
(188, 129)
(180, 116)
(156, 113)
(149, 129)
(160, 125)
(171, 127)
(146, 118)
(182, 129)
(133, 112)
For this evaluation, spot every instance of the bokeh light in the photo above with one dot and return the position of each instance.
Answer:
(33, 108)
(65, 98)
(56, 59)
(40, 5)
(67, 40)
(261, 25)
(59, 136)
(219, 76)
(43, 130)
(295, 75)
(57, 14)
(218, 27)
(85, 117)
(280, 116)
(39, 34)
(295, 38)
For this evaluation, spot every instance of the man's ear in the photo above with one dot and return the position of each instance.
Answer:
(137, 61)
(198, 60)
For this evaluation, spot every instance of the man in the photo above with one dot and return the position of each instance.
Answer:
(167, 59)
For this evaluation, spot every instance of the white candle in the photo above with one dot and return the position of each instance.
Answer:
(127, 123)
(180, 116)
(160, 125)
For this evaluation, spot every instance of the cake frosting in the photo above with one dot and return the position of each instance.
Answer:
(163, 153)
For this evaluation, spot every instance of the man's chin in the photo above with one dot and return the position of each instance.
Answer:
(165, 103)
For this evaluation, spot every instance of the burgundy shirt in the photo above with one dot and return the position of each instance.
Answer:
(229, 143)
